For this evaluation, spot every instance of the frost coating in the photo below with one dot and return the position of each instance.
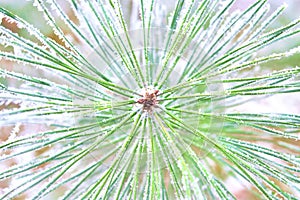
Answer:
(108, 149)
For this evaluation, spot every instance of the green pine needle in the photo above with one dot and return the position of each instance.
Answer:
(146, 102)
